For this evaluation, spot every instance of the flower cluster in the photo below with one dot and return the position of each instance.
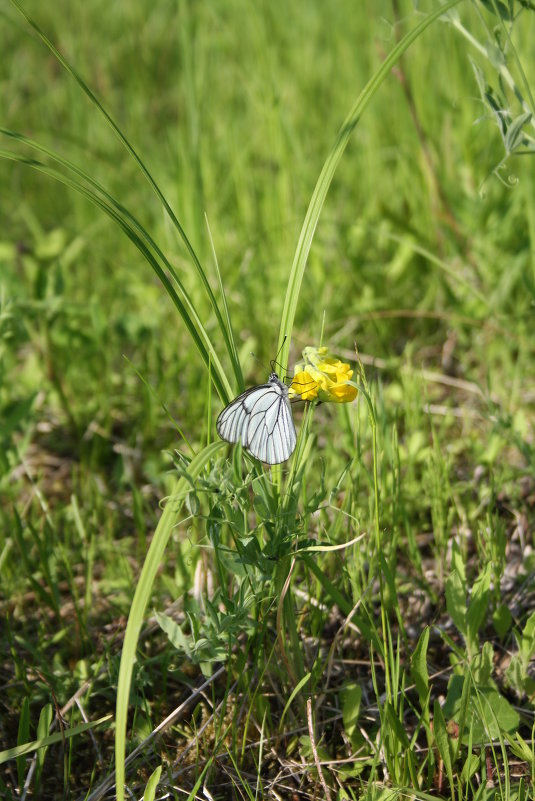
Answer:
(321, 376)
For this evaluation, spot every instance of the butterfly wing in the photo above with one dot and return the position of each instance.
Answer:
(261, 419)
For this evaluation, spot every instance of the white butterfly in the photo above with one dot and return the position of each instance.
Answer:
(261, 419)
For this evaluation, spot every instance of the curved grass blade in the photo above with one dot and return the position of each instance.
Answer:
(226, 314)
(154, 186)
(142, 240)
(141, 598)
(329, 168)
(51, 739)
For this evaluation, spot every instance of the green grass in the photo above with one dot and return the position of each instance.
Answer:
(359, 622)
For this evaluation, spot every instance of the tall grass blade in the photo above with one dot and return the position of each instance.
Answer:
(226, 314)
(327, 173)
(133, 153)
(140, 601)
(142, 240)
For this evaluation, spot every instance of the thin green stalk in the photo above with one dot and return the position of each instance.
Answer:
(287, 632)
(232, 339)
(384, 620)
(377, 529)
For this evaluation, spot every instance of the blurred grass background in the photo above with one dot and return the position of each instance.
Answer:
(424, 257)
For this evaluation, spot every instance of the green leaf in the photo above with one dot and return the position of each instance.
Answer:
(395, 727)
(489, 714)
(351, 697)
(43, 727)
(457, 564)
(296, 690)
(174, 632)
(502, 620)
(51, 245)
(527, 642)
(16, 413)
(477, 608)
(456, 601)
(192, 503)
(497, 714)
(328, 586)
(483, 666)
(261, 507)
(389, 594)
(442, 740)
(514, 137)
(470, 766)
(521, 749)
(464, 714)
(22, 737)
(307, 751)
(419, 673)
(152, 784)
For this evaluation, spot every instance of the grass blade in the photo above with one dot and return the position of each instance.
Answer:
(327, 173)
(142, 240)
(57, 737)
(140, 601)
(154, 186)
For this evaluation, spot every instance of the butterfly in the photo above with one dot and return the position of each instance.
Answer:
(261, 419)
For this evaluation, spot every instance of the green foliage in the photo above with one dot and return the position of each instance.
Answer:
(351, 698)
(468, 619)
(487, 716)
(419, 671)
(442, 741)
(43, 727)
(152, 784)
(389, 564)
(518, 671)
(23, 737)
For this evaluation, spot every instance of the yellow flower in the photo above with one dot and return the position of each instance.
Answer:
(303, 386)
(322, 376)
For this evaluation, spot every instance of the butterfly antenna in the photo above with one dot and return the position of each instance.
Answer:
(274, 361)
(255, 357)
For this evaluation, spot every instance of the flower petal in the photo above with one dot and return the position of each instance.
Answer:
(303, 386)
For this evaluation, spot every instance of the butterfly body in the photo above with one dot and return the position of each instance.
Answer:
(261, 419)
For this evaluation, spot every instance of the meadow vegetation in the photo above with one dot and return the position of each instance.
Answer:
(179, 621)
